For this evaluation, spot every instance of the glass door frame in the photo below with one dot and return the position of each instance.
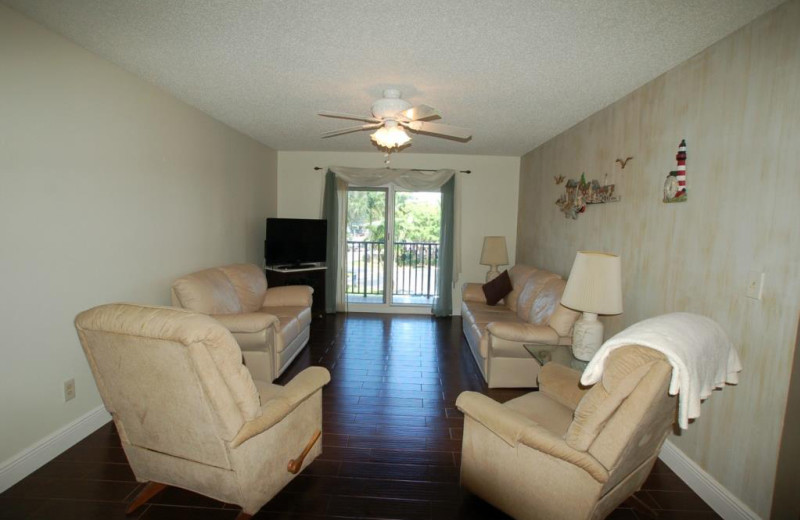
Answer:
(387, 305)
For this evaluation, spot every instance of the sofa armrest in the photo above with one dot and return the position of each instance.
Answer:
(303, 386)
(289, 296)
(246, 322)
(523, 332)
(473, 292)
(561, 384)
(514, 428)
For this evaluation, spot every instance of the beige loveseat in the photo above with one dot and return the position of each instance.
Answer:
(531, 313)
(271, 325)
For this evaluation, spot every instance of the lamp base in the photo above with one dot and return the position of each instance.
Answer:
(492, 274)
(587, 336)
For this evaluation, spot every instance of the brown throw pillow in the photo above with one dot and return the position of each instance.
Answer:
(497, 289)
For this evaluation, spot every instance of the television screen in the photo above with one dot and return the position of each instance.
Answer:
(295, 241)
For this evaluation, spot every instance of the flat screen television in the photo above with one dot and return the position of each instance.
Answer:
(295, 242)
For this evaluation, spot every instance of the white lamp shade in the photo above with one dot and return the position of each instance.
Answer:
(494, 251)
(594, 284)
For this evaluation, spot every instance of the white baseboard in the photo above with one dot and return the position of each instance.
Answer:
(34, 457)
(715, 494)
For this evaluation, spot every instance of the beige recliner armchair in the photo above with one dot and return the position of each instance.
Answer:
(271, 325)
(188, 412)
(568, 452)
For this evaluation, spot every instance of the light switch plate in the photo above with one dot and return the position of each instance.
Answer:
(755, 284)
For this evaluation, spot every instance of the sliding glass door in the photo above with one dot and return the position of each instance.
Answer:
(367, 225)
(392, 248)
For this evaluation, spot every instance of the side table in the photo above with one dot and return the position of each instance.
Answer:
(561, 354)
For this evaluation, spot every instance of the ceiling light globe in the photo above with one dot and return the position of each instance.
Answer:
(390, 138)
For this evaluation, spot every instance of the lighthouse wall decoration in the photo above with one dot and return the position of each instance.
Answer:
(675, 185)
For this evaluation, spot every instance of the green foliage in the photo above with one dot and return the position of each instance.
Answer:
(366, 212)
(417, 217)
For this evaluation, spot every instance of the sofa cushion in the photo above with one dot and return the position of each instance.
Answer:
(519, 275)
(484, 318)
(563, 320)
(497, 289)
(469, 308)
(302, 314)
(546, 301)
(250, 284)
(546, 412)
(530, 292)
(208, 292)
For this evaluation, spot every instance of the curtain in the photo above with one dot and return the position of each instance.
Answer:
(330, 212)
(339, 178)
(443, 302)
(334, 210)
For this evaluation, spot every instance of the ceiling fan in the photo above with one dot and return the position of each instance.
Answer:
(391, 115)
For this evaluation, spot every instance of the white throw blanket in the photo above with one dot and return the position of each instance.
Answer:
(701, 355)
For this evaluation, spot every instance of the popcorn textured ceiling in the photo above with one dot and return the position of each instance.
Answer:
(516, 72)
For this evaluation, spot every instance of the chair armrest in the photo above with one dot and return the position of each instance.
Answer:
(545, 441)
(288, 296)
(246, 322)
(523, 332)
(303, 386)
(561, 384)
(503, 422)
(473, 292)
(514, 428)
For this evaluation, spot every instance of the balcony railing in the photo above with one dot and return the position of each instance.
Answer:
(414, 271)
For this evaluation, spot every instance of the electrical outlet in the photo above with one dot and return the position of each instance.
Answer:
(69, 390)
(755, 284)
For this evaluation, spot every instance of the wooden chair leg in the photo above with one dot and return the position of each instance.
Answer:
(149, 491)
(295, 464)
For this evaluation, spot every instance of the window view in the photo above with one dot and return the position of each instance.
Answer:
(411, 263)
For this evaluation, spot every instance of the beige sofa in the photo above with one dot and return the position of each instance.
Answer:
(271, 325)
(531, 313)
(567, 452)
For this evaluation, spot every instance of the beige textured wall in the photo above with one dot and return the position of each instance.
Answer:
(110, 188)
(738, 105)
(488, 195)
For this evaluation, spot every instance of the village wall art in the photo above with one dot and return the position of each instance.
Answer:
(580, 193)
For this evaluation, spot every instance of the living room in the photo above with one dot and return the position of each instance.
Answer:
(113, 188)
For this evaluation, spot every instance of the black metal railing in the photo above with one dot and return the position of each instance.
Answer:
(414, 272)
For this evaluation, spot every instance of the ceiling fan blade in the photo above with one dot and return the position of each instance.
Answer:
(439, 129)
(350, 129)
(342, 115)
(419, 112)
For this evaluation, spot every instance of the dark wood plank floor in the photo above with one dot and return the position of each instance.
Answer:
(392, 441)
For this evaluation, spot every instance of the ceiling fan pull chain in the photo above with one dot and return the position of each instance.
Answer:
(388, 157)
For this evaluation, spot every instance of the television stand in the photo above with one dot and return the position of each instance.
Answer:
(312, 275)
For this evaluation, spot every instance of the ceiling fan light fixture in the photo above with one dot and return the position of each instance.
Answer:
(390, 137)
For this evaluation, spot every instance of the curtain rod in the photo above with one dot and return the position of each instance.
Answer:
(412, 169)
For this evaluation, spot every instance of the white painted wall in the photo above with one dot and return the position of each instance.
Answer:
(109, 189)
(738, 105)
(488, 195)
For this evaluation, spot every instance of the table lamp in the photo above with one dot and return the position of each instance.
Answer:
(594, 287)
(494, 253)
